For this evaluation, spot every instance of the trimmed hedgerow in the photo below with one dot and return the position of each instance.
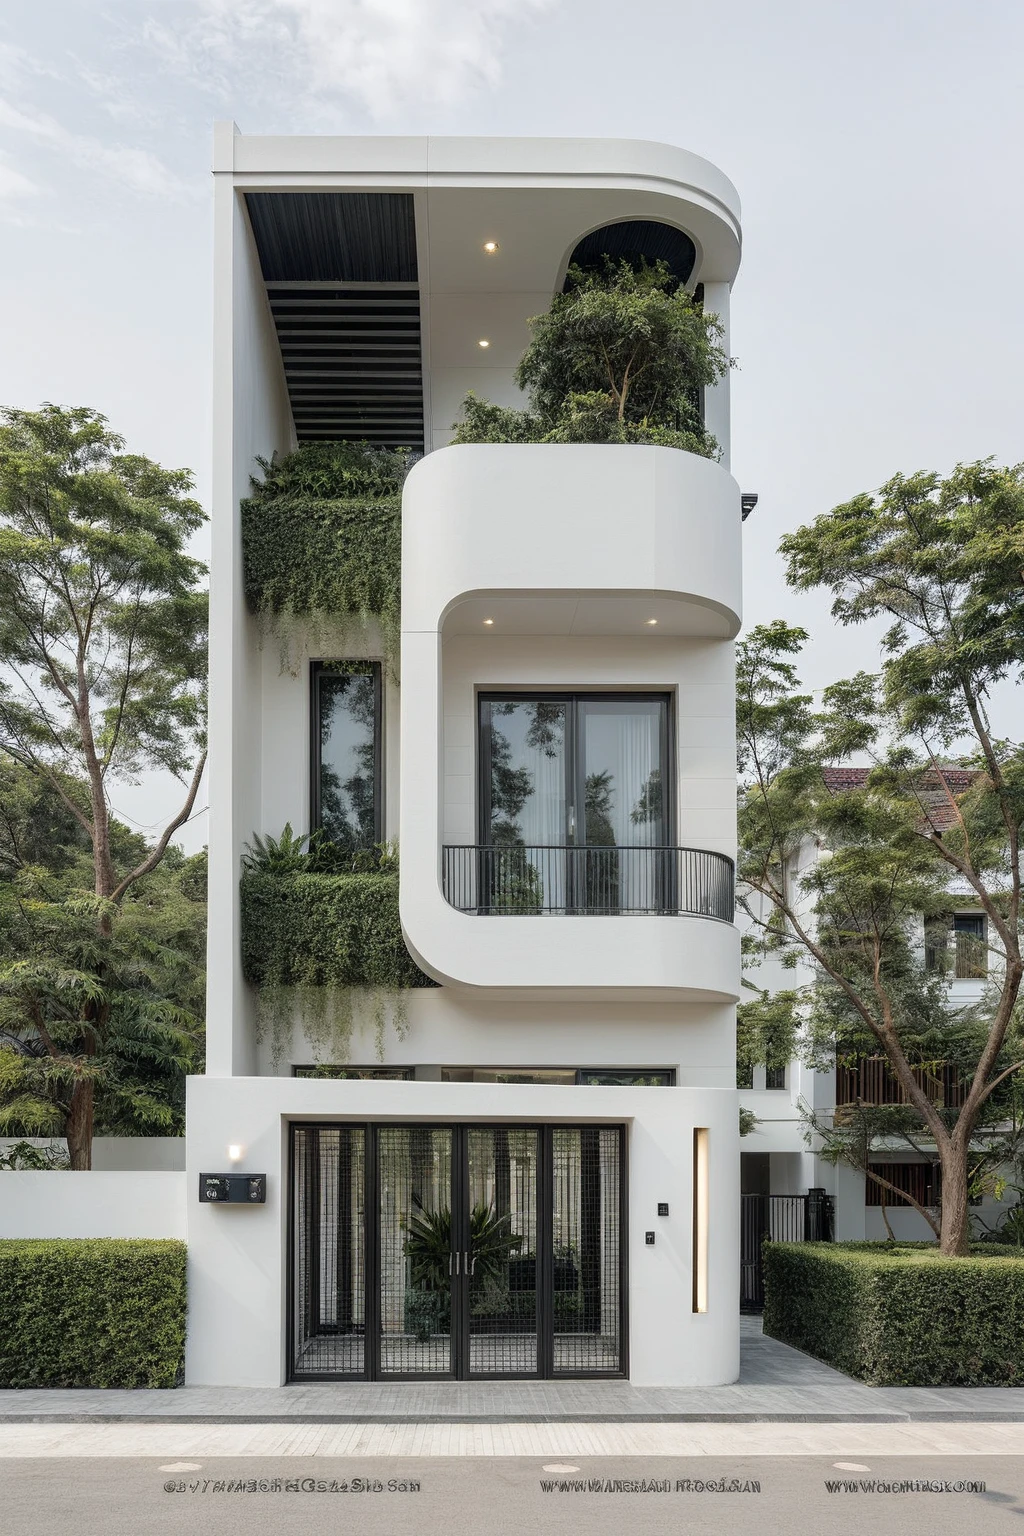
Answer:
(900, 1315)
(322, 535)
(309, 930)
(92, 1312)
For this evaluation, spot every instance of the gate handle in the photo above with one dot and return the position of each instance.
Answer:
(470, 1263)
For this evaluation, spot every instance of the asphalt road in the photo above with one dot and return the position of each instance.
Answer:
(97, 1496)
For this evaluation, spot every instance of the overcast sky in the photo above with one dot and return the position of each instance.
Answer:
(878, 316)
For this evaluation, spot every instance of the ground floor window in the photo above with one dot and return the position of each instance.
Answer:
(457, 1251)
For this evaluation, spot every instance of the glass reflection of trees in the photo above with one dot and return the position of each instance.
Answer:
(535, 792)
(348, 778)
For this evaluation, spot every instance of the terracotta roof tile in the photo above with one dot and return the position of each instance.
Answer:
(933, 794)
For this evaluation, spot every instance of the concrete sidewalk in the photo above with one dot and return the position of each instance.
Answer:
(777, 1385)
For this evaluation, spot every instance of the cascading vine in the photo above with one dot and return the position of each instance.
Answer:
(322, 546)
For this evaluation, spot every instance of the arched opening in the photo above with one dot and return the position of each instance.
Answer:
(636, 241)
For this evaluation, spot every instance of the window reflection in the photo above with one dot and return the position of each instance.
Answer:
(347, 708)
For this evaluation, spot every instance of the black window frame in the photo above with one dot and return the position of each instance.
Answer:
(355, 667)
(574, 767)
(329, 1072)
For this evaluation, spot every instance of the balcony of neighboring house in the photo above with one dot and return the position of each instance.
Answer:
(870, 1081)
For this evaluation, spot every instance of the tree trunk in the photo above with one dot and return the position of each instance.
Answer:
(955, 1227)
(78, 1127)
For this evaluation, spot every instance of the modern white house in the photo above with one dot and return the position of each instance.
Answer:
(551, 1125)
(780, 1159)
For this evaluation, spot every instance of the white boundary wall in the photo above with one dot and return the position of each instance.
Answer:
(238, 1254)
(64, 1204)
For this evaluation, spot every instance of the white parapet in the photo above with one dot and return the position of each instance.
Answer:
(578, 547)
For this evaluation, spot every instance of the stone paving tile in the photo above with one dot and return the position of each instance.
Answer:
(776, 1384)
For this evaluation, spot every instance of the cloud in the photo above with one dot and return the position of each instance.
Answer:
(136, 169)
(382, 54)
(14, 184)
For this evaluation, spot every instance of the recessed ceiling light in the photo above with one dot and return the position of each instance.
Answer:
(652, 621)
(490, 246)
(483, 343)
(488, 621)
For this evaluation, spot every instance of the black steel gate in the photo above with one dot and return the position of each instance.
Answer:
(457, 1251)
(785, 1219)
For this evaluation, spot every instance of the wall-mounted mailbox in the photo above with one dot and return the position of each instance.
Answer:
(233, 1188)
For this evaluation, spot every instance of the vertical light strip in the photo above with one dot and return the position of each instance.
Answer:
(700, 1219)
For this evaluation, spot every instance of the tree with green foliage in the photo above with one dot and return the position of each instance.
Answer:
(937, 819)
(622, 356)
(145, 978)
(103, 631)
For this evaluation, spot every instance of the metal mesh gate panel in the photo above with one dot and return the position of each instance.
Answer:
(586, 1250)
(502, 1281)
(329, 1251)
(463, 1251)
(416, 1269)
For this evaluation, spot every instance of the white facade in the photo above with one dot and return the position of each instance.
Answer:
(606, 539)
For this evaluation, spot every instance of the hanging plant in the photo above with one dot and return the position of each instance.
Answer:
(322, 545)
(327, 1016)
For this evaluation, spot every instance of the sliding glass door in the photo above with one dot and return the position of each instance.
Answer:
(574, 806)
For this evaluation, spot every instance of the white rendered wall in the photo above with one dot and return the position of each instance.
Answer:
(65, 1204)
(237, 1255)
(251, 417)
(448, 1026)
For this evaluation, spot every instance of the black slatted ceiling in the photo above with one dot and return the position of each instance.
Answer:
(341, 278)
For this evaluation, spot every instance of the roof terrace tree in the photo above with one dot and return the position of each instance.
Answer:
(942, 560)
(103, 633)
(622, 355)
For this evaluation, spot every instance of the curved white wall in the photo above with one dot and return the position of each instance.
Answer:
(586, 527)
(570, 549)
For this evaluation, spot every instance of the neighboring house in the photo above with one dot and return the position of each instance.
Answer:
(530, 1168)
(776, 1158)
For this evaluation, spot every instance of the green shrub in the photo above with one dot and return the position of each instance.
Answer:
(92, 1312)
(322, 534)
(900, 1314)
(302, 930)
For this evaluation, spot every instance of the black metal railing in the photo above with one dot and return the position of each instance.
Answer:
(522, 881)
(806, 1218)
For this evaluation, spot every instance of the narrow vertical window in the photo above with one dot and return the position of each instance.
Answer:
(700, 1220)
(347, 753)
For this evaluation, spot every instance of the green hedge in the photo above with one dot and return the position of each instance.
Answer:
(325, 931)
(92, 1312)
(900, 1315)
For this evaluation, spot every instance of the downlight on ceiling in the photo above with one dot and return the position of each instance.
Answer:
(488, 621)
(652, 621)
(491, 247)
(483, 342)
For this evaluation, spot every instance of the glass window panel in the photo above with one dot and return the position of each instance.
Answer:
(527, 788)
(623, 773)
(347, 768)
